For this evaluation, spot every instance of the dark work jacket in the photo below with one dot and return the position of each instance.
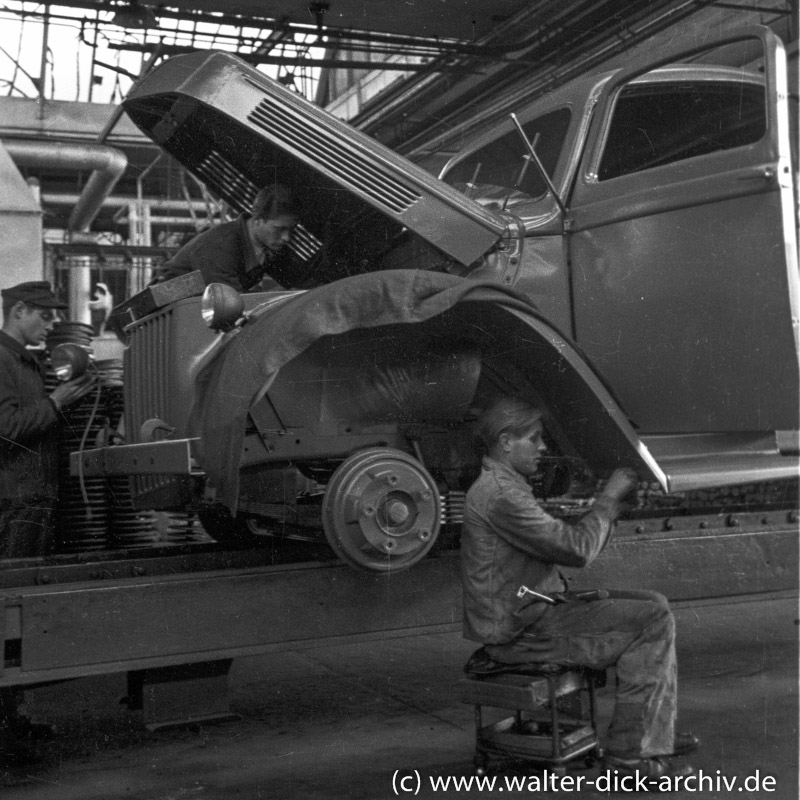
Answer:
(223, 254)
(507, 541)
(28, 428)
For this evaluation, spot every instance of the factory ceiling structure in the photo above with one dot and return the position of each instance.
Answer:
(438, 62)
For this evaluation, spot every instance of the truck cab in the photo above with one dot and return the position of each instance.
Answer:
(670, 254)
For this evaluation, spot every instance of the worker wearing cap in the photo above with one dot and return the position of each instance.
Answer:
(28, 422)
(29, 419)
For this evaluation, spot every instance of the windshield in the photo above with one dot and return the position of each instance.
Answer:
(503, 172)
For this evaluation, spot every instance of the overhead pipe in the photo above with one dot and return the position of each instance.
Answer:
(108, 165)
(117, 201)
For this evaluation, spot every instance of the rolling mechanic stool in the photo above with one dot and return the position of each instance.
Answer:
(550, 726)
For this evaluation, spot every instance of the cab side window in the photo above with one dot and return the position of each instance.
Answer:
(502, 171)
(662, 123)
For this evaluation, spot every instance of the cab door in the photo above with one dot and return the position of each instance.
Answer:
(682, 240)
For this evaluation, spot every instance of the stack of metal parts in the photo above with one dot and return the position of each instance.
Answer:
(71, 332)
(82, 505)
(93, 513)
(110, 373)
(183, 528)
(129, 527)
(453, 507)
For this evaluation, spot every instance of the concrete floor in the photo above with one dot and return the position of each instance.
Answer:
(338, 721)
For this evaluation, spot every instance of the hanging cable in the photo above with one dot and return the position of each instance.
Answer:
(84, 437)
(16, 60)
(18, 68)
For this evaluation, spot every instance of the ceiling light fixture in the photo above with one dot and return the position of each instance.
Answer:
(318, 10)
(132, 15)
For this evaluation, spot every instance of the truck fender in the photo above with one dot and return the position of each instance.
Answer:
(502, 323)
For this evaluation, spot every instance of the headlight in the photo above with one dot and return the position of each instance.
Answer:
(222, 306)
(69, 361)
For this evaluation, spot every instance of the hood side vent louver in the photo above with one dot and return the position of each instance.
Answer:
(344, 164)
(217, 172)
(304, 243)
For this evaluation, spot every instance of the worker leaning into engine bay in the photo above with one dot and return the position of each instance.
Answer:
(247, 253)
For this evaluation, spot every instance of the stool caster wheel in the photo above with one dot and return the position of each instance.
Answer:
(593, 757)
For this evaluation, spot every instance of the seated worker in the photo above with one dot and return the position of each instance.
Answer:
(508, 540)
(242, 253)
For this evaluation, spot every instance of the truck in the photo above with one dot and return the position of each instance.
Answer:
(621, 252)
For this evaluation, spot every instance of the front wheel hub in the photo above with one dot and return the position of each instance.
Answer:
(381, 510)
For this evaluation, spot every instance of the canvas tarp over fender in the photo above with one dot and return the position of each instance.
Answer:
(248, 360)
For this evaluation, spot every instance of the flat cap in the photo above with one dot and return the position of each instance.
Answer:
(35, 293)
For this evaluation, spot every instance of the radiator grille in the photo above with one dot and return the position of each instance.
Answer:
(320, 147)
(146, 374)
(147, 387)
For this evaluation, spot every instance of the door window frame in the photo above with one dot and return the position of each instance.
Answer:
(589, 190)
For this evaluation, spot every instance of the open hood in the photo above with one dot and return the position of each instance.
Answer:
(237, 130)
